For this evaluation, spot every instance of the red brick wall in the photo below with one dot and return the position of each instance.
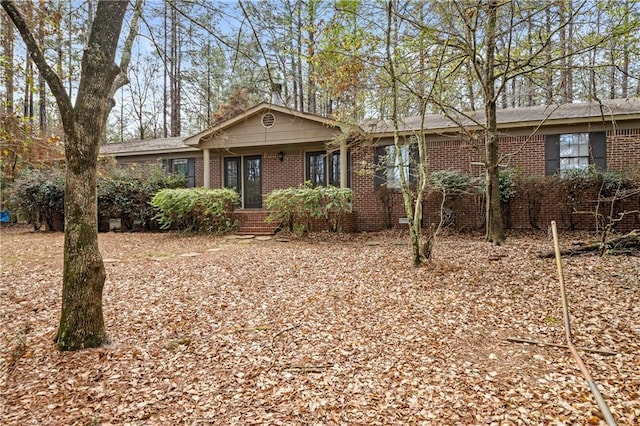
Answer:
(366, 201)
(524, 152)
(282, 174)
(623, 149)
(199, 166)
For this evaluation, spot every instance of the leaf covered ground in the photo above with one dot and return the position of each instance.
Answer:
(323, 330)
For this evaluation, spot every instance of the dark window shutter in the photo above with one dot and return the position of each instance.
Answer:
(598, 145)
(191, 172)
(380, 169)
(166, 165)
(552, 154)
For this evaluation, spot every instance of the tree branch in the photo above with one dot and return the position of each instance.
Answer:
(52, 79)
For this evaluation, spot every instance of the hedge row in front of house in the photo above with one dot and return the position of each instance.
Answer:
(196, 209)
(299, 209)
(579, 199)
(37, 195)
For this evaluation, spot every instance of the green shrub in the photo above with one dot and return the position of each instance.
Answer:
(196, 209)
(506, 184)
(450, 182)
(126, 193)
(451, 185)
(298, 208)
(37, 196)
(587, 191)
(531, 191)
(507, 191)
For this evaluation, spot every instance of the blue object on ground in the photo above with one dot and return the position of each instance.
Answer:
(5, 216)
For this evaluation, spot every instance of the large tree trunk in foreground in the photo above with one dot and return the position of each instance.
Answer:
(81, 322)
(494, 226)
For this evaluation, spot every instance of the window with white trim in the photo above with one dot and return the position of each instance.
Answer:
(388, 165)
(575, 151)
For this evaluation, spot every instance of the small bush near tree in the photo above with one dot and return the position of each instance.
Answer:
(196, 209)
(532, 190)
(507, 190)
(296, 209)
(37, 196)
(126, 193)
(598, 193)
(450, 184)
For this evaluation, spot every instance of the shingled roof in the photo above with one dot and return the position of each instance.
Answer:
(147, 147)
(593, 112)
(605, 111)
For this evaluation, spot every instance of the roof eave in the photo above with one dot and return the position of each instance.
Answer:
(148, 152)
(520, 124)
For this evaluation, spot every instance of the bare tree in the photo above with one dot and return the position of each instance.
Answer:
(81, 321)
(7, 48)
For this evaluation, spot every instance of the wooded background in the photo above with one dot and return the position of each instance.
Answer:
(193, 62)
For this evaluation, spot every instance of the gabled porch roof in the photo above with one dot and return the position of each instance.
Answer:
(282, 125)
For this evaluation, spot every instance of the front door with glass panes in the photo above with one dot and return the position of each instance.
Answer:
(244, 174)
(252, 182)
(232, 173)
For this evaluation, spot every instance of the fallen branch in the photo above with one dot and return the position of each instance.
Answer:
(555, 345)
(626, 244)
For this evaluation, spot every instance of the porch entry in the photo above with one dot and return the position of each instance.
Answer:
(244, 174)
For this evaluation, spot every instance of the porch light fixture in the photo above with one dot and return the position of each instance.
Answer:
(281, 156)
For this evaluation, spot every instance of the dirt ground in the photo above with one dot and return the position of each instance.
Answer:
(320, 331)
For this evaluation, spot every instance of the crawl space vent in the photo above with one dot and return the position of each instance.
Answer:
(268, 120)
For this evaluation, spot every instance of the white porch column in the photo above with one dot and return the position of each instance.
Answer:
(207, 168)
(343, 165)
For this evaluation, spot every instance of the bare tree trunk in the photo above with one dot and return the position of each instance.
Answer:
(165, 100)
(174, 75)
(626, 39)
(569, 56)
(548, 72)
(298, 75)
(59, 42)
(564, 47)
(625, 70)
(70, 51)
(311, 84)
(81, 320)
(28, 90)
(612, 69)
(125, 59)
(494, 226)
(7, 48)
(42, 90)
(412, 207)
(470, 89)
(526, 98)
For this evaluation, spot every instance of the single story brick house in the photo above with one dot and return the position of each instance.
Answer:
(270, 147)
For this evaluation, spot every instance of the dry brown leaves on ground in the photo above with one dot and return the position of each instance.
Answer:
(208, 330)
